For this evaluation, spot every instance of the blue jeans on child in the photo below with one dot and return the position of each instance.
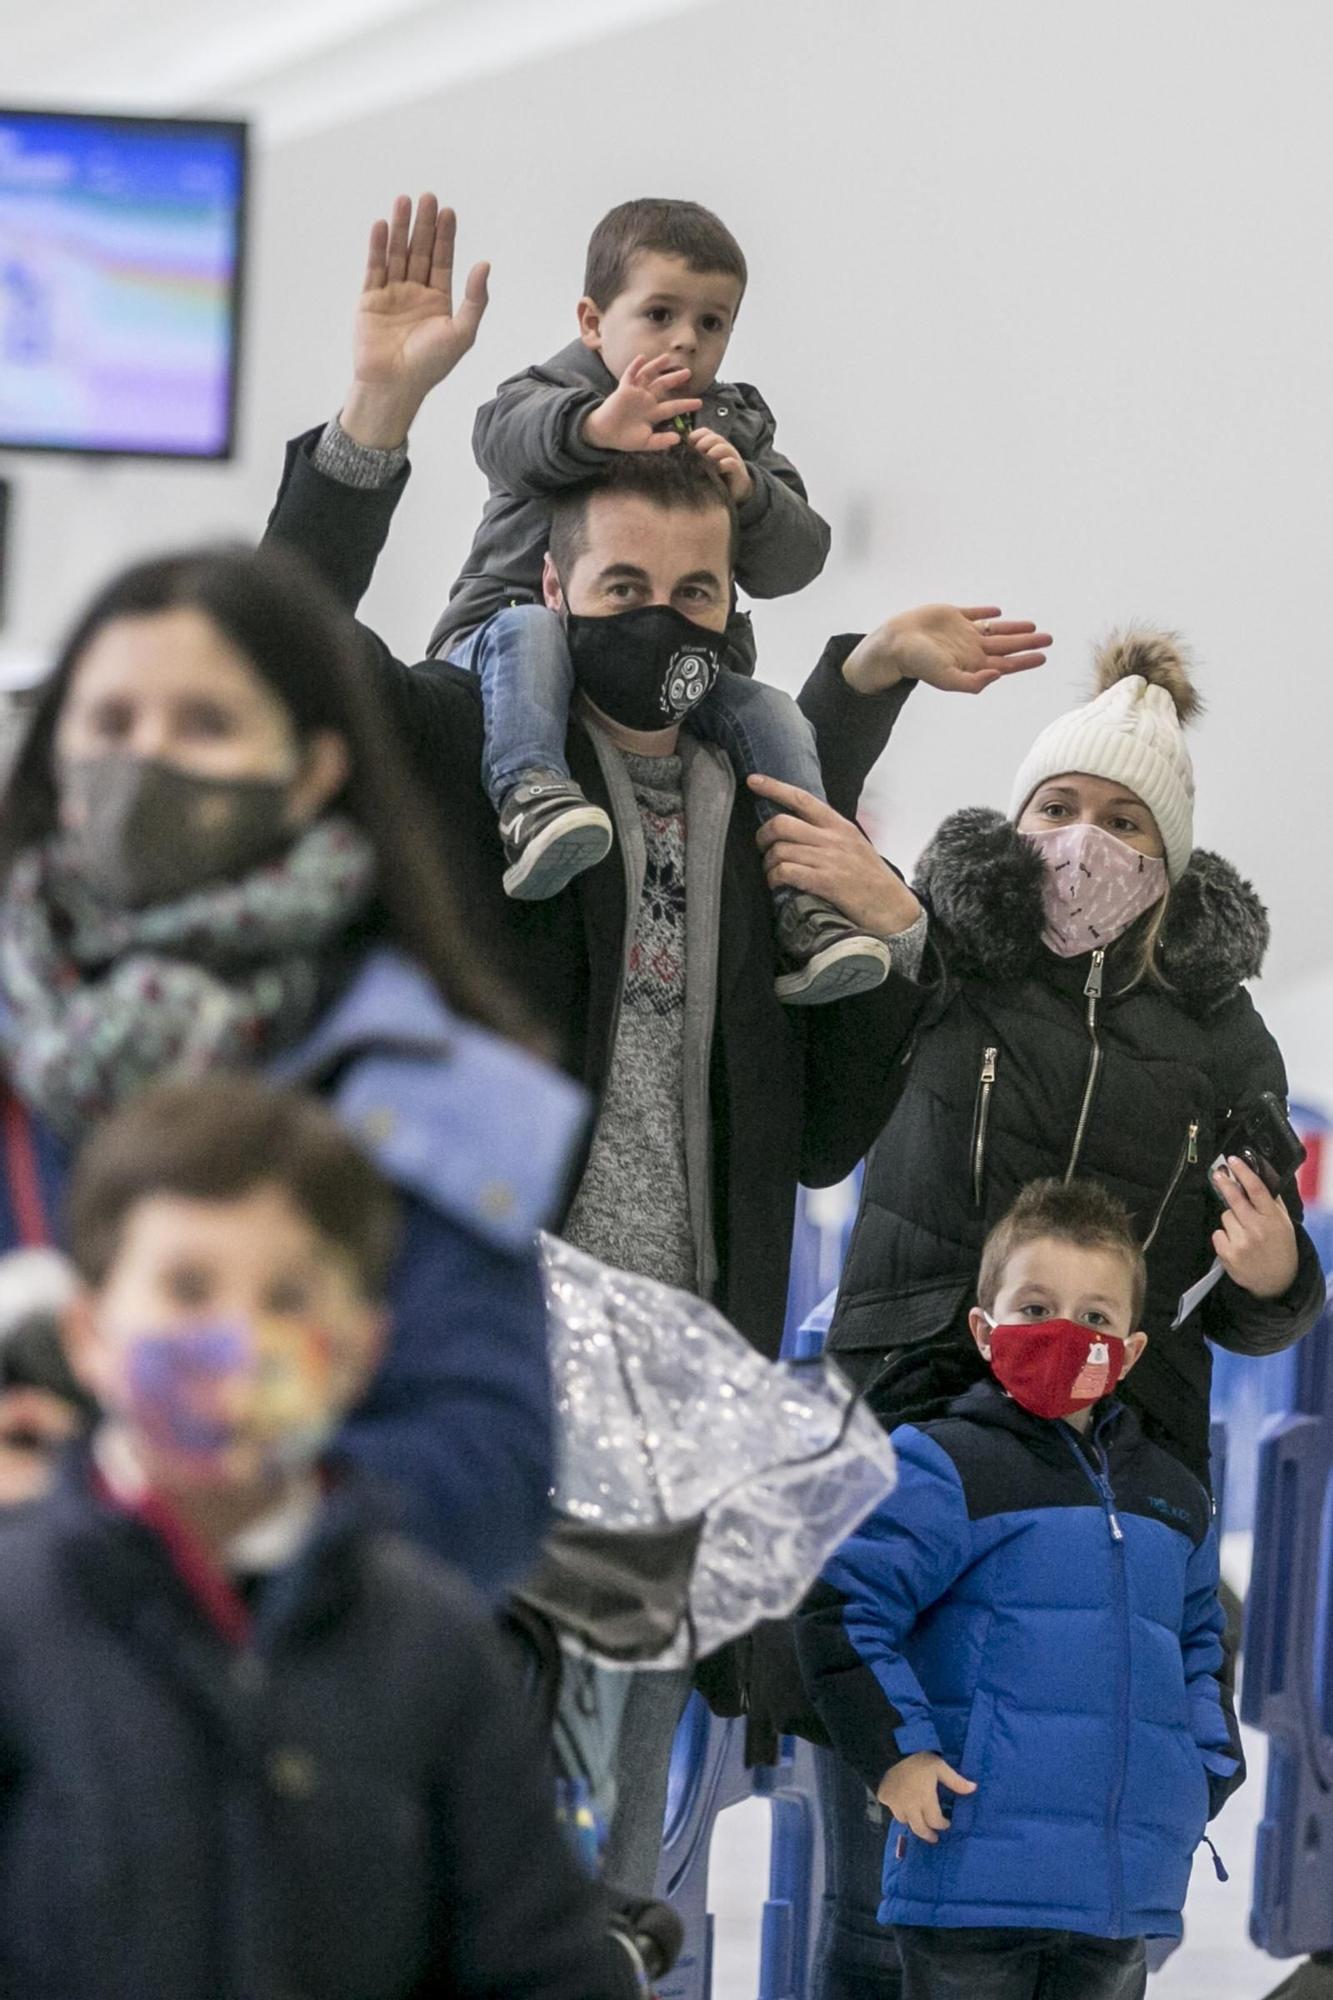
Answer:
(527, 683)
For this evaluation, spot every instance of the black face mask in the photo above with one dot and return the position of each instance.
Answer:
(644, 669)
(139, 831)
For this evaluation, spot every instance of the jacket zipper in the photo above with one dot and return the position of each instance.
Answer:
(1101, 1480)
(981, 1120)
(1189, 1157)
(1092, 993)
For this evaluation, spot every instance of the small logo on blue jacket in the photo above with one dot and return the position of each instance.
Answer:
(1161, 1506)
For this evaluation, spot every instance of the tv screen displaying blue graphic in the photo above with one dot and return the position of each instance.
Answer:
(121, 248)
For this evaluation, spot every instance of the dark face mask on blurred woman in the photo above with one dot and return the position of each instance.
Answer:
(137, 831)
(645, 669)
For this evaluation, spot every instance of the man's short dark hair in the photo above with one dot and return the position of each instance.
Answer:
(217, 1140)
(671, 228)
(1080, 1212)
(679, 480)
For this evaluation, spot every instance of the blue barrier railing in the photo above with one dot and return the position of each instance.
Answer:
(1288, 1683)
(708, 1769)
(708, 1775)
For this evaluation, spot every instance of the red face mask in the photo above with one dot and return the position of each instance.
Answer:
(1055, 1367)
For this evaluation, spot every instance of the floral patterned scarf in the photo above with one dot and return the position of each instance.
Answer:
(102, 1001)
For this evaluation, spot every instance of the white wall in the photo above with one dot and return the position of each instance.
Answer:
(1041, 295)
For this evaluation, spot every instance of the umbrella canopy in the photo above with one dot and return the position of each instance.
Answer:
(700, 1488)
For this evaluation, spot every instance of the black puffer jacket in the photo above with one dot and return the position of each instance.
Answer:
(1019, 1070)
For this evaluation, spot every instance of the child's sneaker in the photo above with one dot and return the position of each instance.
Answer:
(550, 834)
(829, 957)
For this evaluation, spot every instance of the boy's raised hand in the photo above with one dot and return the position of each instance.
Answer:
(407, 335)
(648, 394)
(910, 1790)
(722, 453)
(962, 651)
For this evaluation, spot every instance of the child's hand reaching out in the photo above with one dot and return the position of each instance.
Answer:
(910, 1790)
(648, 394)
(722, 453)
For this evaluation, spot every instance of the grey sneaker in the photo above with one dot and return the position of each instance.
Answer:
(550, 834)
(829, 958)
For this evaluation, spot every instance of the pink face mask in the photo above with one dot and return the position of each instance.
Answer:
(1095, 887)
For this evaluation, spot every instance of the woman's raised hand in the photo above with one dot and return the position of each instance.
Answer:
(408, 336)
(963, 651)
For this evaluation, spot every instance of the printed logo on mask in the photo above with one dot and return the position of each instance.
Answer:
(644, 669)
(690, 674)
(1093, 1378)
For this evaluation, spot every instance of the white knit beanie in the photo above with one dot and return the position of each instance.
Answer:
(1132, 732)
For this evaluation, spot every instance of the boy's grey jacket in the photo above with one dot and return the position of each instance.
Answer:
(529, 443)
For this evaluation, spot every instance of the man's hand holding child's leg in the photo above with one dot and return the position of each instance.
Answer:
(910, 1790)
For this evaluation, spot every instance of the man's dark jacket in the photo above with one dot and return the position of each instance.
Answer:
(350, 1806)
(1006, 1067)
(795, 1094)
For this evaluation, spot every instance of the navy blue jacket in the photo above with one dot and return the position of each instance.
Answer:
(185, 1819)
(1042, 1611)
(478, 1139)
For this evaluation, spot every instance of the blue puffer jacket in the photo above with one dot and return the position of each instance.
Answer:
(1042, 1611)
(478, 1137)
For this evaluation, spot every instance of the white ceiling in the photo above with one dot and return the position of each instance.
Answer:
(295, 66)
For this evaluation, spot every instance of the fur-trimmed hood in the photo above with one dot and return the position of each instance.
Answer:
(982, 880)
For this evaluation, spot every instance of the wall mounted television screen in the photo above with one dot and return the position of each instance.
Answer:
(121, 250)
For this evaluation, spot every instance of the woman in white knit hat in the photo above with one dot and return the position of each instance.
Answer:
(1090, 1017)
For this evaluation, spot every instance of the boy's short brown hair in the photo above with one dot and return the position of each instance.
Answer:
(216, 1140)
(1079, 1212)
(672, 229)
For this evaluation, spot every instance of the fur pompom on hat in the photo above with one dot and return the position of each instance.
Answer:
(1132, 733)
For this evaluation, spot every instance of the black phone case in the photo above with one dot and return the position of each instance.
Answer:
(1266, 1140)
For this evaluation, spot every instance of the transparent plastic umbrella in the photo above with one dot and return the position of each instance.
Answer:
(700, 1487)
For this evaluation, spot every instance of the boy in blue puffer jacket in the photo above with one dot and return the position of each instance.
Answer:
(1029, 1625)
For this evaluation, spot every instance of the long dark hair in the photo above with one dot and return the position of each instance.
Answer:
(278, 612)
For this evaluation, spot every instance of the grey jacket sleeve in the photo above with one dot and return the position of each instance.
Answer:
(528, 438)
(784, 543)
(364, 466)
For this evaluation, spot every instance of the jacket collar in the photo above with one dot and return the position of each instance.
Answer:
(390, 1000)
(981, 881)
(986, 1403)
(129, 1574)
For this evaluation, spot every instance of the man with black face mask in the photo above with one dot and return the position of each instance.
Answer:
(655, 968)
